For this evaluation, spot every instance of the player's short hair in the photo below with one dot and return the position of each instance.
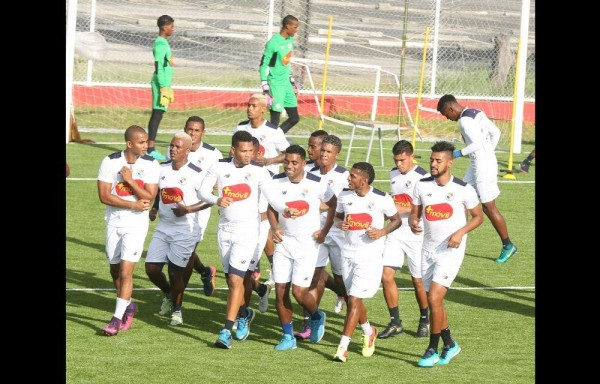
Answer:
(333, 140)
(446, 99)
(402, 146)
(132, 130)
(164, 20)
(187, 139)
(443, 146)
(367, 169)
(255, 142)
(296, 149)
(241, 137)
(262, 99)
(289, 19)
(319, 133)
(195, 119)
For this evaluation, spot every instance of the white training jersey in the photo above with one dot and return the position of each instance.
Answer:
(337, 180)
(363, 212)
(242, 184)
(310, 164)
(480, 134)
(305, 196)
(205, 156)
(270, 137)
(145, 170)
(443, 209)
(180, 186)
(401, 190)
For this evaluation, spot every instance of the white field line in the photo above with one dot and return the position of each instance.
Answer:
(400, 289)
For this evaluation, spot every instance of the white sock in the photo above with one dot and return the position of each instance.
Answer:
(366, 327)
(121, 307)
(345, 341)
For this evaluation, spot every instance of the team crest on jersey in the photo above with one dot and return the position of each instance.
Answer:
(227, 176)
(284, 192)
(450, 196)
(182, 181)
(408, 184)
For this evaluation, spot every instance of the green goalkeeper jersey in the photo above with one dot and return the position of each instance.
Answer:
(163, 70)
(277, 58)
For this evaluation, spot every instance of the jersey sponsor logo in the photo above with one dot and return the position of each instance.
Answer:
(171, 195)
(237, 192)
(124, 189)
(402, 200)
(359, 221)
(285, 60)
(438, 212)
(300, 206)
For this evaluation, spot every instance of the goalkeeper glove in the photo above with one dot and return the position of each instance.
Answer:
(294, 84)
(166, 96)
(456, 154)
(265, 88)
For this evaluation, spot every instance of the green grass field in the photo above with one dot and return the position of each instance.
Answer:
(491, 308)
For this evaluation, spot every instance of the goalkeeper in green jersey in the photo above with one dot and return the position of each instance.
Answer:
(276, 76)
(162, 94)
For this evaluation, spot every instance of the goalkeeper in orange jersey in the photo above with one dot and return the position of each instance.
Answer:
(162, 94)
(276, 76)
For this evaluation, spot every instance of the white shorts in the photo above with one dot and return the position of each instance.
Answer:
(263, 232)
(124, 243)
(395, 249)
(362, 270)
(169, 245)
(484, 178)
(331, 249)
(236, 247)
(442, 266)
(295, 260)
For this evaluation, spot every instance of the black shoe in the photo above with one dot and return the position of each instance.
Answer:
(423, 329)
(391, 330)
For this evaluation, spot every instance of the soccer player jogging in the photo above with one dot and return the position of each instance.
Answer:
(239, 180)
(294, 200)
(276, 75)
(363, 210)
(270, 137)
(481, 137)
(402, 242)
(162, 94)
(178, 230)
(438, 211)
(127, 184)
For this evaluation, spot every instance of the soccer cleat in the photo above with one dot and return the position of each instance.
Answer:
(391, 330)
(113, 327)
(130, 311)
(317, 328)
(243, 328)
(341, 354)
(224, 340)
(304, 334)
(506, 253)
(209, 281)
(263, 304)
(369, 343)
(429, 359)
(524, 166)
(287, 342)
(166, 306)
(176, 318)
(270, 281)
(422, 329)
(448, 353)
(339, 304)
(157, 155)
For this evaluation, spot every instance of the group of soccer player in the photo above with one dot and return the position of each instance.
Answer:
(313, 213)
